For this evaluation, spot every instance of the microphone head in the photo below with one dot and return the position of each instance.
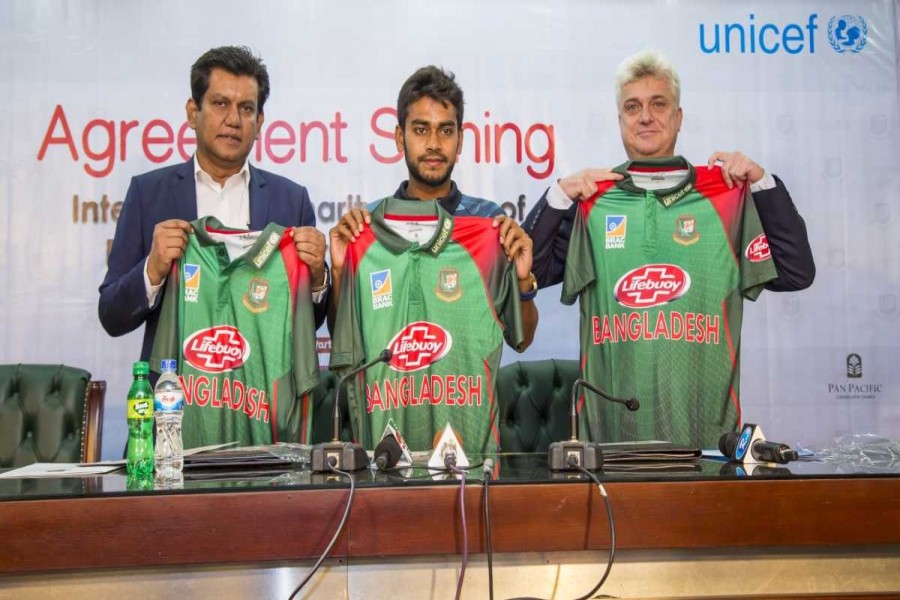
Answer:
(632, 404)
(387, 453)
(727, 443)
(385, 355)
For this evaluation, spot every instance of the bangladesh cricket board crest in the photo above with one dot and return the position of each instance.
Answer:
(686, 230)
(257, 297)
(448, 288)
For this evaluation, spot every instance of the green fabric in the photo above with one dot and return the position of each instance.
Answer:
(677, 353)
(456, 290)
(212, 299)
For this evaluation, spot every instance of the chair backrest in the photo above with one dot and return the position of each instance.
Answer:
(534, 399)
(49, 413)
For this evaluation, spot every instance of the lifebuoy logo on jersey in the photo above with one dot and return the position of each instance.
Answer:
(758, 249)
(419, 345)
(652, 285)
(216, 350)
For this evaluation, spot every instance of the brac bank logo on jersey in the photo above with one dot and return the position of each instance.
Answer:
(846, 33)
(419, 345)
(382, 289)
(615, 231)
(652, 285)
(217, 349)
(191, 282)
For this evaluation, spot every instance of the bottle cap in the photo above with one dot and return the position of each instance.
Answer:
(141, 368)
(168, 364)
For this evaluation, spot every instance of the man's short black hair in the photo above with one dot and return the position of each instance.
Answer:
(434, 83)
(237, 60)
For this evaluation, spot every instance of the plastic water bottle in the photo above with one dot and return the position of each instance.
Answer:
(168, 408)
(139, 411)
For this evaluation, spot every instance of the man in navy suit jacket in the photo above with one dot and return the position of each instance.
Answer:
(229, 87)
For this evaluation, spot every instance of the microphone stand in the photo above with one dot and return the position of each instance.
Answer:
(344, 456)
(573, 453)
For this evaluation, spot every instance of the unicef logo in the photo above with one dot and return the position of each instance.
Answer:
(847, 33)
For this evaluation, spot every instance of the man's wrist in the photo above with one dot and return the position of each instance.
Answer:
(528, 287)
(326, 281)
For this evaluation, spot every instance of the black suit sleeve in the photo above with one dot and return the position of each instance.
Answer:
(550, 229)
(788, 242)
(123, 299)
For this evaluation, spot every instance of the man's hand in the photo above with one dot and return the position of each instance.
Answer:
(516, 244)
(736, 168)
(310, 244)
(583, 184)
(169, 242)
(345, 232)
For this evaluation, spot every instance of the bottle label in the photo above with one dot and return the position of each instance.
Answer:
(168, 401)
(140, 408)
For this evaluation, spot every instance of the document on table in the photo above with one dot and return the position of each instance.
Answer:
(84, 469)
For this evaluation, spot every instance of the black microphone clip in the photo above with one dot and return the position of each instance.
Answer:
(343, 456)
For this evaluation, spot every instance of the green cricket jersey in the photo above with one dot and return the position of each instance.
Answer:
(443, 308)
(661, 275)
(238, 316)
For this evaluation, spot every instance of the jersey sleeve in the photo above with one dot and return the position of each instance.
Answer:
(508, 306)
(580, 270)
(757, 266)
(167, 341)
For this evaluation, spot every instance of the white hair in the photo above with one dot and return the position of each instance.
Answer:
(647, 63)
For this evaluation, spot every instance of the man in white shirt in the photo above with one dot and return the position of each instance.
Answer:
(229, 87)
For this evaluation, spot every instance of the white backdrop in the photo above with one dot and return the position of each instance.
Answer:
(93, 89)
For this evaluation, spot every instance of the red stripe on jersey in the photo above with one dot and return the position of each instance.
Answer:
(273, 408)
(296, 270)
(417, 218)
(356, 250)
(727, 202)
(482, 241)
(226, 232)
(491, 408)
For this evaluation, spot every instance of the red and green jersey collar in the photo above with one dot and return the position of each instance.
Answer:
(406, 208)
(257, 255)
(667, 196)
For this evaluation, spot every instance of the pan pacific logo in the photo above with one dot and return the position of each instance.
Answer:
(854, 366)
(848, 33)
(855, 387)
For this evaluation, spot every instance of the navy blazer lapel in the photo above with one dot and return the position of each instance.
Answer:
(259, 200)
(184, 192)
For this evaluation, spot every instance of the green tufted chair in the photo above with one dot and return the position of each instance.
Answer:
(534, 399)
(49, 413)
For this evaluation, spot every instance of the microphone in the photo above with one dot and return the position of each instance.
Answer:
(564, 456)
(346, 456)
(387, 453)
(750, 446)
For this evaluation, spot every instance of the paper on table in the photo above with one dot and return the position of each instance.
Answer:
(58, 470)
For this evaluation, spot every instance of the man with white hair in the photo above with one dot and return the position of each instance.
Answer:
(660, 255)
(648, 97)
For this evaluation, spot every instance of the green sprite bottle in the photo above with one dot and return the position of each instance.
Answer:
(140, 423)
